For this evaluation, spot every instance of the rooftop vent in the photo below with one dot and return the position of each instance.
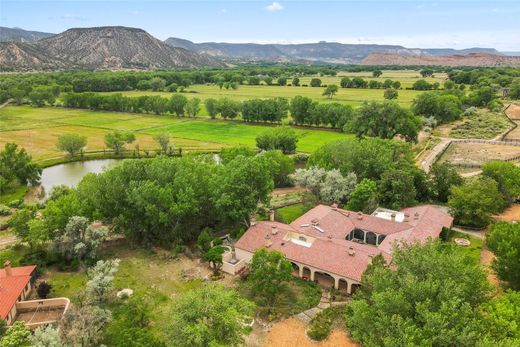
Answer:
(416, 215)
(315, 222)
(334, 207)
(360, 215)
(351, 251)
(406, 217)
(392, 217)
(274, 230)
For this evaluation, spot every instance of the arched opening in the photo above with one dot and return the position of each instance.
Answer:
(343, 285)
(296, 269)
(324, 279)
(371, 238)
(359, 234)
(306, 273)
(355, 287)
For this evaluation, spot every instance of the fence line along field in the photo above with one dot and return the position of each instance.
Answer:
(37, 130)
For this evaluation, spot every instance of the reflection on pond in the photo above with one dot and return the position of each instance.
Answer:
(70, 174)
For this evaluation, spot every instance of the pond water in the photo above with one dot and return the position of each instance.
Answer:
(70, 174)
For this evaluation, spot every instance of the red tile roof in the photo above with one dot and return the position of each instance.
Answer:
(329, 250)
(11, 287)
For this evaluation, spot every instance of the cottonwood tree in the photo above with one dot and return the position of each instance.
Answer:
(116, 140)
(315, 82)
(177, 104)
(80, 240)
(442, 177)
(71, 143)
(214, 257)
(16, 336)
(507, 175)
(386, 120)
(504, 240)
(163, 139)
(193, 107)
(211, 107)
(474, 202)
(16, 166)
(377, 73)
(327, 185)
(331, 90)
(101, 277)
(364, 197)
(83, 325)
(432, 293)
(210, 316)
(269, 273)
(390, 94)
(279, 138)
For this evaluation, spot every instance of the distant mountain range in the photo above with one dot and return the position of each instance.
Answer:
(20, 35)
(99, 48)
(328, 52)
(132, 48)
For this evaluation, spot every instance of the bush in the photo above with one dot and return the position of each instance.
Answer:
(321, 324)
(446, 234)
(16, 203)
(4, 210)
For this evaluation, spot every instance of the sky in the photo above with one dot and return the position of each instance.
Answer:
(421, 24)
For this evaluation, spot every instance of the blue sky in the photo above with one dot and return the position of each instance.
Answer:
(442, 23)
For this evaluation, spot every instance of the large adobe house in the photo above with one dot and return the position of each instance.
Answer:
(16, 285)
(335, 246)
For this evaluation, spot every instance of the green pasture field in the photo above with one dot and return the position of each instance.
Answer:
(350, 96)
(37, 130)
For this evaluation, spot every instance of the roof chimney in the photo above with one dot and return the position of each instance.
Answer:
(392, 216)
(274, 230)
(7, 268)
(271, 215)
(268, 242)
(351, 251)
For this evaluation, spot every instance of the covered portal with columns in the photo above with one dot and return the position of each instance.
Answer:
(325, 278)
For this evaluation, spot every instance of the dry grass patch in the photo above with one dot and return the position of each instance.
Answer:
(477, 153)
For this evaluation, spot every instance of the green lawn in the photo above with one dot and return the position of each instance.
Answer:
(289, 213)
(351, 96)
(473, 250)
(37, 130)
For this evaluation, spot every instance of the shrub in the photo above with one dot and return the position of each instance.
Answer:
(321, 324)
(4, 210)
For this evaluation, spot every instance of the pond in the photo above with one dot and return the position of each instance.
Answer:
(70, 174)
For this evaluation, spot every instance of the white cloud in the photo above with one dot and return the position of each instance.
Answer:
(275, 6)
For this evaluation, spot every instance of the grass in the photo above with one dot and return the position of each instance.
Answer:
(15, 194)
(290, 213)
(350, 96)
(298, 296)
(481, 125)
(473, 250)
(37, 130)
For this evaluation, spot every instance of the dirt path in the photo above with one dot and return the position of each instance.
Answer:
(513, 111)
(512, 214)
(287, 190)
(427, 163)
(486, 258)
(292, 333)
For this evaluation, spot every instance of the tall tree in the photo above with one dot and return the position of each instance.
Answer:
(116, 140)
(193, 107)
(71, 143)
(163, 139)
(386, 120)
(504, 240)
(210, 316)
(331, 90)
(432, 295)
(269, 273)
